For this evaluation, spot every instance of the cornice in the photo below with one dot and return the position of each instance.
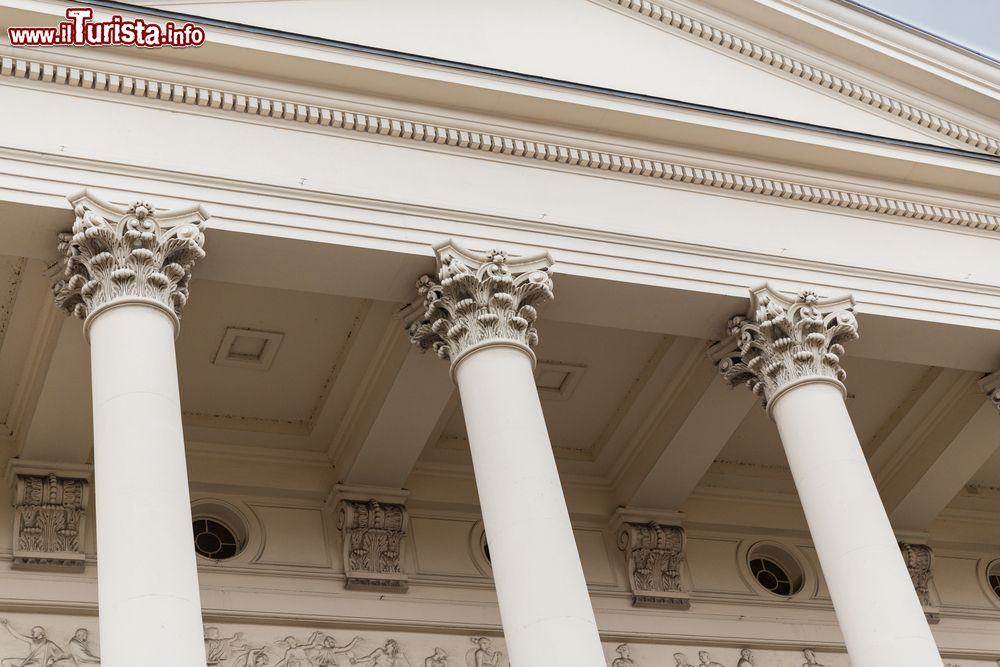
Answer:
(768, 57)
(507, 146)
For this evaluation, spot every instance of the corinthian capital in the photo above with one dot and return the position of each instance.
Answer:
(479, 299)
(781, 342)
(990, 385)
(120, 254)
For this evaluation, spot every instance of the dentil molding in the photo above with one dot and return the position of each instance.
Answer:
(661, 15)
(782, 341)
(118, 255)
(479, 299)
(410, 131)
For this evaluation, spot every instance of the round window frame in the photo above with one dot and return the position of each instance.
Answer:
(788, 557)
(983, 577)
(477, 549)
(234, 519)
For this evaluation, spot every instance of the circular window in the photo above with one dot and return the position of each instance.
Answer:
(220, 531)
(775, 570)
(993, 577)
(213, 539)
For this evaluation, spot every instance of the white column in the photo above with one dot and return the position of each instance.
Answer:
(788, 352)
(480, 314)
(126, 275)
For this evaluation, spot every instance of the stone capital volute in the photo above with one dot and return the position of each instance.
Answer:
(116, 255)
(990, 385)
(479, 300)
(783, 342)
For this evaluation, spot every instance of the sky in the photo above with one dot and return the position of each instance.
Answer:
(974, 24)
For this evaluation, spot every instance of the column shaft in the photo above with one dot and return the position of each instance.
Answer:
(879, 614)
(150, 608)
(544, 603)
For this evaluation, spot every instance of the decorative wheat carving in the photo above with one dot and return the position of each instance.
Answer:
(480, 298)
(374, 536)
(116, 254)
(919, 563)
(781, 341)
(654, 555)
(49, 520)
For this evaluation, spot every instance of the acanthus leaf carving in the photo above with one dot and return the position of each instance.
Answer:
(783, 341)
(654, 555)
(115, 254)
(480, 298)
(374, 538)
(990, 385)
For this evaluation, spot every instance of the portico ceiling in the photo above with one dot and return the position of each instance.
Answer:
(615, 400)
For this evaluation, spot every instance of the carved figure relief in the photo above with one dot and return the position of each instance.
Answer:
(231, 649)
(217, 648)
(373, 535)
(40, 651)
(251, 656)
(654, 555)
(323, 650)
(49, 520)
(114, 253)
(484, 655)
(388, 655)
(439, 659)
(810, 657)
(706, 661)
(624, 658)
(781, 341)
(477, 298)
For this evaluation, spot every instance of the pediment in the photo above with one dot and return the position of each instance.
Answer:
(647, 47)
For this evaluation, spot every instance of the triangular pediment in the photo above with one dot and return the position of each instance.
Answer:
(647, 47)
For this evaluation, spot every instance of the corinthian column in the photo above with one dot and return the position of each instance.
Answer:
(126, 273)
(479, 314)
(787, 351)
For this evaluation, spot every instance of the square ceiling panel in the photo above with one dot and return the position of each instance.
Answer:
(257, 358)
(583, 376)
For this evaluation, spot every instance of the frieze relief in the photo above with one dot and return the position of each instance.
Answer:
(61, 641)
(33, 646)
(49, 521)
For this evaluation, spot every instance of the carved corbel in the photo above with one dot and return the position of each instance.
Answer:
(373, 532)
(654, 559)
(919, 559)
(50, 515)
